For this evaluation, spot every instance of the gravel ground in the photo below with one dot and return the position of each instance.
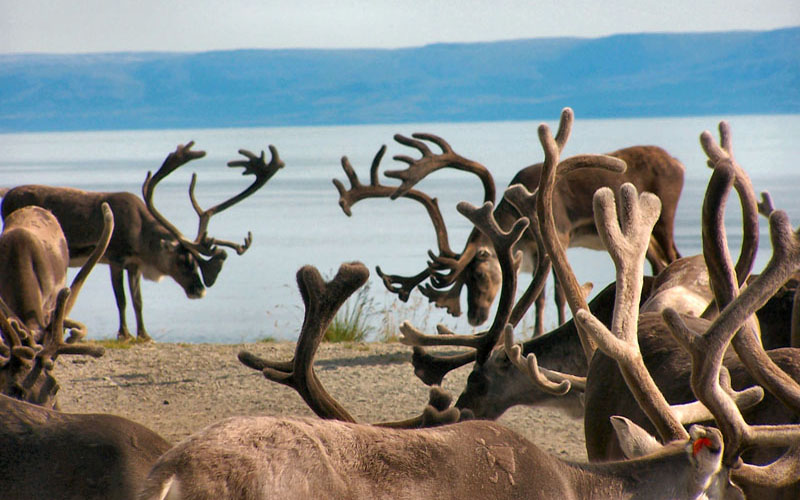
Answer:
(177, 389)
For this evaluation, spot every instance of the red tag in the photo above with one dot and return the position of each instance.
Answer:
(698, 445)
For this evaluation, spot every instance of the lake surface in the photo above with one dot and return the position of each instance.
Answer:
(296, 220)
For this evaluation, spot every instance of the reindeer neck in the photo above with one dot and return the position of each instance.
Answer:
(666, 474)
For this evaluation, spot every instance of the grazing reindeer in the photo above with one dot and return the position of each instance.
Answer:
(45, 453)
(648, 167)
(33, 252)
(145, 242)
(34, 257)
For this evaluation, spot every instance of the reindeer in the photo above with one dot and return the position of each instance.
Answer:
(145, 243)
(33, 251)
(648, 167)
(46, 453)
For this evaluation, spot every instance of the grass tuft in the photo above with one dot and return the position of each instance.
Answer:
(113, 343)
(352, 322)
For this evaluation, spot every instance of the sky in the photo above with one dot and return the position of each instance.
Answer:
(86, 26)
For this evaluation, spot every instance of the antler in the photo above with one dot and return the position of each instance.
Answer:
(322, 300)
(83, 273)
(263, 172)
(183, 154)
(735, 325)
(419, 169)
(723, 283)
(548, 380)
(714, 230)
(627, 238)
(401, 285)
(430, 162)
(766, 206)
(544, 210)
(707, 351)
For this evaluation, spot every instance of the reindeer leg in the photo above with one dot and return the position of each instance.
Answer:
(119, 294)
(135, 286)
(538, 328)
(560, 299)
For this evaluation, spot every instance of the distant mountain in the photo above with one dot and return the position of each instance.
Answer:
(615, 76)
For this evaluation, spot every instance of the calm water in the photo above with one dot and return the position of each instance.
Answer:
(296, 220)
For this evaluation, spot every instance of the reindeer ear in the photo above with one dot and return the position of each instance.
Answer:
(634, 441)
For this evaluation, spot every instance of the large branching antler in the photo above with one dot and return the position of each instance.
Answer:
(446, 270)
(400, 285)
(707, 350)
(322, 300)
(734, 325)
(253, 165)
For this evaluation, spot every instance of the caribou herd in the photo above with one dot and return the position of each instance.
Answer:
(688, 378)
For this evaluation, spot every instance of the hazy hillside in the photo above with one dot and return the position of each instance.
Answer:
(625, 75)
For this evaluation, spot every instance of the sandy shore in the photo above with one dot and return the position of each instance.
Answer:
(177, 389)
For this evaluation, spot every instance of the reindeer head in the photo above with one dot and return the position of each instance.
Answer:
(26, 365)
(180, 257)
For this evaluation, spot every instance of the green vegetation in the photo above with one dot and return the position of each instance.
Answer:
(113, 343)
(351, 323)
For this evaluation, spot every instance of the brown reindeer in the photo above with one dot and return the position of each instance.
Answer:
(45, 453)
(648, 167)
(145, 243)
(33, 252)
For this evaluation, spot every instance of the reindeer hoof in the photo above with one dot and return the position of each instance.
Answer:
(124, 337)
